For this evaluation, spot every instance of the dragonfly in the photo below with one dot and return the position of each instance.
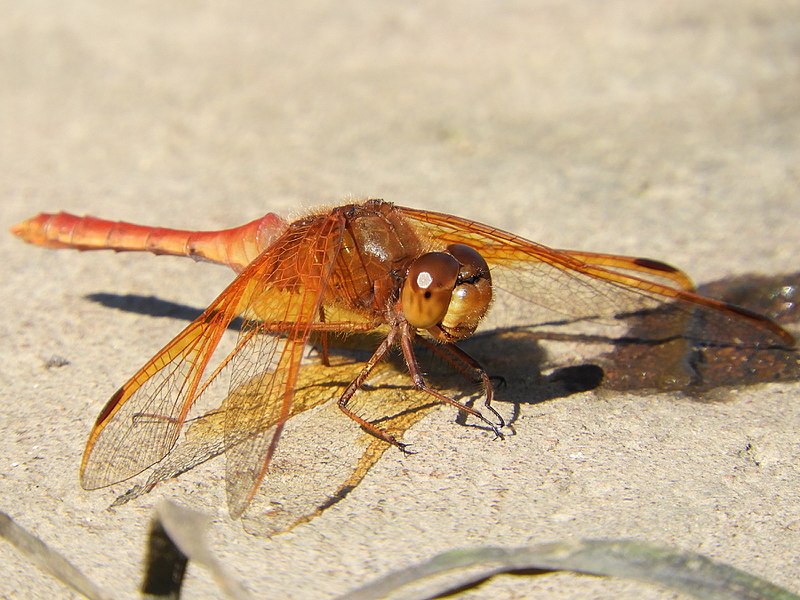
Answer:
(417, 278)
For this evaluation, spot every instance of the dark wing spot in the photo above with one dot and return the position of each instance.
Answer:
(655, 265)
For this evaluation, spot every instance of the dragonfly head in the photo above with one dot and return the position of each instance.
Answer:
(447, 293)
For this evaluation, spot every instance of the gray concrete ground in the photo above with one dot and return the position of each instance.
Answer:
(660, 129)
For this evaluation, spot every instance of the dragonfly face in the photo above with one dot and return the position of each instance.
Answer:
(447, 293)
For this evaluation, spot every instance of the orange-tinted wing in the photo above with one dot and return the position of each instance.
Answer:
(265, 369)
(142, 421)
(594, 294)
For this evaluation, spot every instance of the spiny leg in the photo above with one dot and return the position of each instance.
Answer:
(376, 357)
(458, 358)
(407, 336)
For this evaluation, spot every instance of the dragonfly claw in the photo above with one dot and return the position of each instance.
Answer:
(404, 448)
(498, 435)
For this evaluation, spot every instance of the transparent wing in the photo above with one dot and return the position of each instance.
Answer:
(141, 422)
(595, 294)
(318, 461)
(265, 368)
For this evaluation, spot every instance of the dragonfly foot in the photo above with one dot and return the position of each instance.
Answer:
(498, 435)
(404, 448)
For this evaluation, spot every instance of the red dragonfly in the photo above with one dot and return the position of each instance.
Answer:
(416, 276)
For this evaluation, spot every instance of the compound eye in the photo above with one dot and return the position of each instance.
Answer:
(473, 265)
(428, 288)
(472, 294)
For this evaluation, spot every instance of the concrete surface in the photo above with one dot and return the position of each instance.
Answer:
(669, 130)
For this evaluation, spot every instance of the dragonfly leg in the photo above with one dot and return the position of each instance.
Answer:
(459, 359)
(406, 343)
(376, 357)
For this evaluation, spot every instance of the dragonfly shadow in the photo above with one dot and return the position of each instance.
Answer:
(515, 358)
(152, 306)
(699, 370)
